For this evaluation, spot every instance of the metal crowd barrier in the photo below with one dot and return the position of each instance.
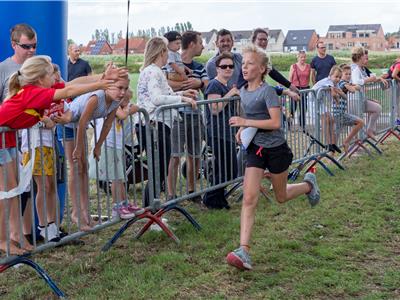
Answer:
(146, 151)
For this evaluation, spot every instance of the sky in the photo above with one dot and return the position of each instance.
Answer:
(84, 16)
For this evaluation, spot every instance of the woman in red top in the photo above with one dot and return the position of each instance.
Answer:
(299, 75)
(30, 93)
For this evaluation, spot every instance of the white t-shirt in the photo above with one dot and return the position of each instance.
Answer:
(47, 139)
(116, 130)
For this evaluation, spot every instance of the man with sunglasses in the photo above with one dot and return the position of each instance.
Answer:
(23, 41)
(321, 64)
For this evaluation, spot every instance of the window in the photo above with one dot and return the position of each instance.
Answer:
(350, 44)
(367, 35)
(330, 46)
(354, 35)
(364, 45)
(361, 35)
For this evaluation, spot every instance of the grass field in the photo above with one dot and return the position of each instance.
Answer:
(348, 247)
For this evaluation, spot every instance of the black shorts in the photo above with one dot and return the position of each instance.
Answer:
(276, 159)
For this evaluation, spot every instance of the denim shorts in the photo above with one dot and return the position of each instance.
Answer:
(7, 155)
(66, 133)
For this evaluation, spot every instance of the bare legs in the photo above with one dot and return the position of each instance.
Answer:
(78, 183)
(251, 187)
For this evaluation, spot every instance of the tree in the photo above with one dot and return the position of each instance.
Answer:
(168, 29)
(153, 32)
(162, 30)
(119, 36)
(189, 25)
(106, 35)
(177, 27)
(70, 42)
(113, 38)
(96, 34)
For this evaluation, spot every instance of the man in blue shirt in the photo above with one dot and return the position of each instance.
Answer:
(224, 43)
(77, 67)
(321, 64)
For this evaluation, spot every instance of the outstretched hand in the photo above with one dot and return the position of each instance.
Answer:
(114, 73)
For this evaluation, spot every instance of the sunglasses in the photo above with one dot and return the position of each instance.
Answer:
(223, 67)
(27, 46)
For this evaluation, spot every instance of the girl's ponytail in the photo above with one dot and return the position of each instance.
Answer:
(31, 71)
(14, 85)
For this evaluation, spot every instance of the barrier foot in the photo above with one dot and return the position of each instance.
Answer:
(42, 273)
(387, 134)
(373, 145)
(146, 215)
(161, 212)
(335, 161)
(357, 145)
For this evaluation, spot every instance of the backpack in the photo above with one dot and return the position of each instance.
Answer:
(391, 69)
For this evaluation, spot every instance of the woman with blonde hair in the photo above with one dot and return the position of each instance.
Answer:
(359, 56)
(153, 91)
(268, 149)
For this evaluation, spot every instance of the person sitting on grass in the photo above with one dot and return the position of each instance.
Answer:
(268, 149)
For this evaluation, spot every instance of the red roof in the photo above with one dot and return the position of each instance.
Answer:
(134, 44)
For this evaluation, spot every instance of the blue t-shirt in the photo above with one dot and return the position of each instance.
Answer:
(322, 66)
(218, 125)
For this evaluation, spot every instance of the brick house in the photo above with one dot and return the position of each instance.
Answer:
(297, 40)
(135, 45)
(343, 37)
(100, 47)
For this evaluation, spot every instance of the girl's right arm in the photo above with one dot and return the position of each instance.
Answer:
(71, 91)
(83, 121)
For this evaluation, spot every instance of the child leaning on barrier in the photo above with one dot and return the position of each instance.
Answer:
(328, 121)
(339, 108)
(111, 165)
(30, 94)
(83, 109)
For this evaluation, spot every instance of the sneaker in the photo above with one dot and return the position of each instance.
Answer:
(239, 259)
(397, 122)
(314, 195)
(115, 211)
(129, 211)
(52, 232)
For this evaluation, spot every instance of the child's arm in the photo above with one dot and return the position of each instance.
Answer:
(73, 90)
(352, 88)
(111, 73)
(48, 123)
(63, 118)
(83, 121)
(177, 69)
(103, 134)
